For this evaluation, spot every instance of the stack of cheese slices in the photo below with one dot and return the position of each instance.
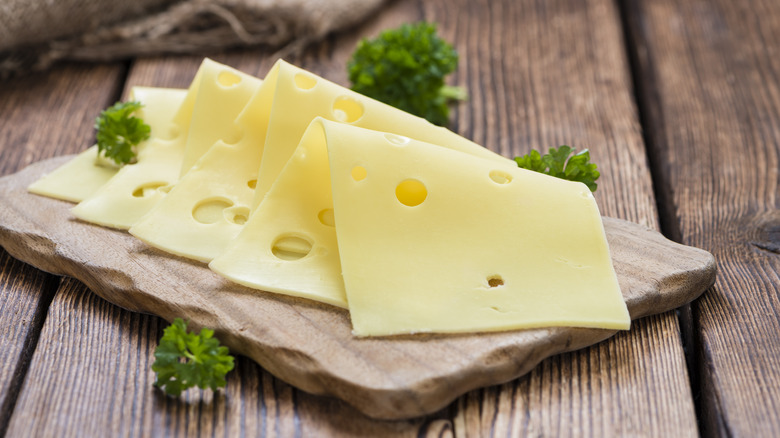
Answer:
(298, 186)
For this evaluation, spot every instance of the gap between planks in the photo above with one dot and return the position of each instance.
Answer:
(49, 288)
(643, 85)
(50, 283)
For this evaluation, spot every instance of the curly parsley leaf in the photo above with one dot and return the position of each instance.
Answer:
(577, 168)
(119, 132)
(184, 360)
(405, 68)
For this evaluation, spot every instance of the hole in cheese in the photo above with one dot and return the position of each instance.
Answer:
(495, 281)
(289, 247)
(359, 173)
(171, 134)
(234, 136)
(347, 110)
(228, 79)
(237, 215)
(326, 217)
(500, 177)
(304, 81)
(210, 211)
(252, 184)
(411, 192)
(147, 189)
(398, 140)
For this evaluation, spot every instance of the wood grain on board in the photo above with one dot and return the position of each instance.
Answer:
(68, 97)
(711, 93)
(540, 75)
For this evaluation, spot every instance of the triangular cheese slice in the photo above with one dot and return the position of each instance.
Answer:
(82, 176)
(289, 244)
(301, 96)
(433, 240)
(209, 205)
(136, 188)
(285, 105)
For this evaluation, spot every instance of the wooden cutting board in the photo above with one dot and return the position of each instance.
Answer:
(310, 345)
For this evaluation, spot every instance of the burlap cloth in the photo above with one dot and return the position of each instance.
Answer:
(36, 33)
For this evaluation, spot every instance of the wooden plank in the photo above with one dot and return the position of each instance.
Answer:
(93, 377)
(543, 74)
(68, 96)
(540, 75)
(24, 295)
(711, 93)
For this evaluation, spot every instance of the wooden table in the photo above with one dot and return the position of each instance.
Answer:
(679, 103)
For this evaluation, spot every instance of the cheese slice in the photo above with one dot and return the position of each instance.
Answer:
(218, 93)
(272, 126)
(82, 176)
(301, 96)
(433, 240)
(289, 244)
(209, 205)
(223, 94)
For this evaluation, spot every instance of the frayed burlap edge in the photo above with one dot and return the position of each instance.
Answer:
(193, 26)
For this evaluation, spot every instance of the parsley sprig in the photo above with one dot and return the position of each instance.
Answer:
(184, 360)
(405, 68)
(577, 168)
(119, 132)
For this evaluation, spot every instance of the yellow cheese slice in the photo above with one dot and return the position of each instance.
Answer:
(75, 180)
(218, 93)
(82, 176)
(289, 244)
(433, 240)
(208, 206)
(223, 94)
(301, 96)
(284, 106)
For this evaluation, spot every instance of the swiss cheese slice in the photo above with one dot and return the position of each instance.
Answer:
(301, 96)
(223, 94)
(289, 244)
(271, 126)
(208, 206)
(218, 93)
(82, 176)
(433, 240)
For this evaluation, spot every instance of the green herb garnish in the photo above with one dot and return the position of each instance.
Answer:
(119, 132)
(405, 68)
(554, 163)
(184, 360)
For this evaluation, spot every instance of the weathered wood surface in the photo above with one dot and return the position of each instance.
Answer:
(540, 73)
(65, 97)
(711, 93)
